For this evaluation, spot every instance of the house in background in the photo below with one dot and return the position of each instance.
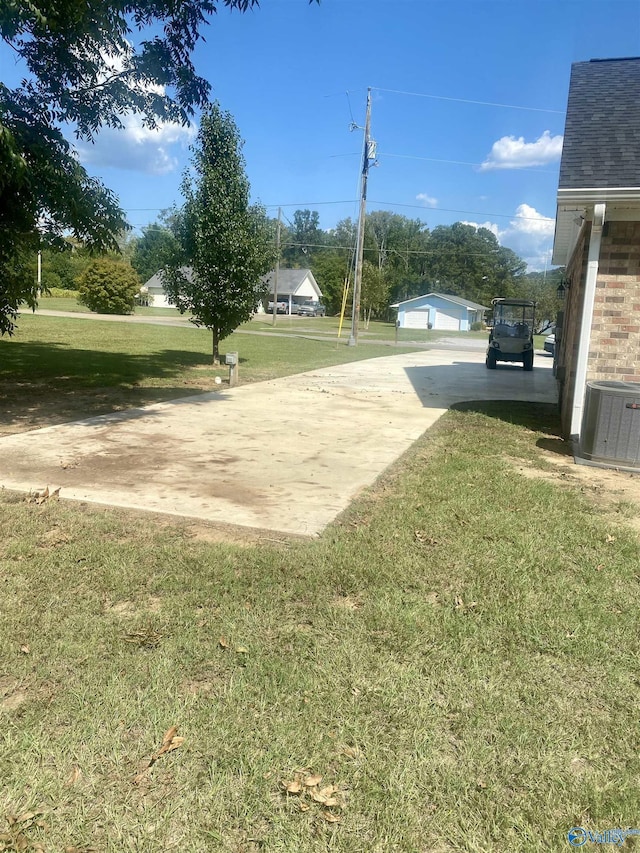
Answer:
(439, 311)
(294, 287)
(154, 293)
(597, 239)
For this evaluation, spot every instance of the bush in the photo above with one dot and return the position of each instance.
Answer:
(478, 326)
(109, 286)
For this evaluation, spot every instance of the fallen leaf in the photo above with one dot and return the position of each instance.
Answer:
(610, 538)
(223, 643)
(304, 807)
(73, 777)
(312, 780)
(293, 787)
(25, 649)
(330, 817)
(350, 751)
(242, 650)
(481, 784)
(458, 602)
(328, 790)
(422, 537)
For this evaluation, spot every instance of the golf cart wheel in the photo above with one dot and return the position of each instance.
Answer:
(527, 361)
(491, 360)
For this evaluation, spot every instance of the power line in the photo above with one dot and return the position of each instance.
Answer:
(455, 162)
(471, 212)
(468, 101)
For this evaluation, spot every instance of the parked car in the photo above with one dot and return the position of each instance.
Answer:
(311, 309)
(281, 308)
(550, 344)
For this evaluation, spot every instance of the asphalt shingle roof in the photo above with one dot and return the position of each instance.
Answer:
(602, 132)
(288, 280)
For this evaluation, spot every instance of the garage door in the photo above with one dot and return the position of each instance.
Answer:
(447, 322)
(416, 319)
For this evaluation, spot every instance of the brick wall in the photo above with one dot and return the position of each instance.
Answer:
(614, 351)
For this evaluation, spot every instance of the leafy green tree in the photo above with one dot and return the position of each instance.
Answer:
(152, 250)
(63, 267)
(225, 245)
(542, 287)
(303, 239)
(81, 71)
(108, 286)
(374, 295)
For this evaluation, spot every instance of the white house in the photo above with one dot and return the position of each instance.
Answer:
(439, 311)
(293, 287)
(154, 291)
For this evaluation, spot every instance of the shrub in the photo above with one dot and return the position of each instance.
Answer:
(478, 326)
(109, 286)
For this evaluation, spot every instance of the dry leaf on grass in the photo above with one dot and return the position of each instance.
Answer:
(25, 649)
(148, 638)
(73, 777)
(331, 818)
(170, 741)
(312, 780)
(350, 752)
(424, 539)
(223, 643)
(44, 496)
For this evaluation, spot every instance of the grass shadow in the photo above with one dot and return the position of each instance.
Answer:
(43, 384)
(537, 417)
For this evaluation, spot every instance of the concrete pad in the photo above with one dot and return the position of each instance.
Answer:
(286, 455)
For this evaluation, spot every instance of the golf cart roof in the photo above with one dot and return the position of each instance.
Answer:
(500, 300)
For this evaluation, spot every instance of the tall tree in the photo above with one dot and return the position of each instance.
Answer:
(225, 244)
(80, 70)
(152, 250)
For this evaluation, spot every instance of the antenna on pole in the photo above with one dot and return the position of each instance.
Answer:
(369, 154)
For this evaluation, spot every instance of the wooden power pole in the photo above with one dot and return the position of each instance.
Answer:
(277, 269)
(369, 154)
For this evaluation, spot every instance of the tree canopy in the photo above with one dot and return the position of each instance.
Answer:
(86, 63)
(224, 244)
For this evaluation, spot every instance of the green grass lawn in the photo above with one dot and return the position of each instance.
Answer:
(457, 656)
(55, 369)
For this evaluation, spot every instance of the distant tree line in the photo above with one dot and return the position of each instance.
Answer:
(402, 259)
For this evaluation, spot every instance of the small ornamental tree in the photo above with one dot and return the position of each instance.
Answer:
(109, 286)
(225, 244)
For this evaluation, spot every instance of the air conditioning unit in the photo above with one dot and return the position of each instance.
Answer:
(611, 423)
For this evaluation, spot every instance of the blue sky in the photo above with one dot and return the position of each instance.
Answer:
(294, 76)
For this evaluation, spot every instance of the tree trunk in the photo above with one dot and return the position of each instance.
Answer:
(216, 346)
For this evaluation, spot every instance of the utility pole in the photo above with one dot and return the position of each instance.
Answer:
(277, 270)
(369, 154)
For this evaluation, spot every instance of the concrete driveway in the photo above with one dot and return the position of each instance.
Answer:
(286, 455)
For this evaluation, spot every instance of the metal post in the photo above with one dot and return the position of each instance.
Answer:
(355, 312)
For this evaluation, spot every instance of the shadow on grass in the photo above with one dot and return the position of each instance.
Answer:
(46, 384)
(37, 361)
(537, 417)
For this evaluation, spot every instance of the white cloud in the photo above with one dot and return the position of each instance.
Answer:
(529, 234)
(427, 200)
(138, 148)
(511, 153)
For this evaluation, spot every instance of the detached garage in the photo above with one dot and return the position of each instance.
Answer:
(439, 311)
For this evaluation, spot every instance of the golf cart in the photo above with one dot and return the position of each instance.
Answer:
(511, 335)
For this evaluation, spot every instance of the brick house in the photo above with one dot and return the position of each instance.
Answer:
(597, 235)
